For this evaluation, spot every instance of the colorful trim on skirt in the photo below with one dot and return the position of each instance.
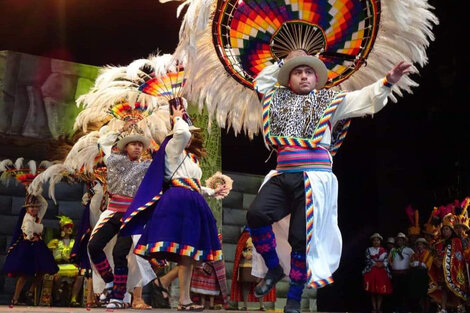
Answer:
(176, 248)
(309, 230)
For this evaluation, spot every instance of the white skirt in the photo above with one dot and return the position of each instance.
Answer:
(325, 244)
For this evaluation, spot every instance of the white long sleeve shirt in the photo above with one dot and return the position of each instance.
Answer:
(30, 227)
(366, 101)
(177, 163)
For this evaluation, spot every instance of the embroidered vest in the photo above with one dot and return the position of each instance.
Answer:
(290, 119)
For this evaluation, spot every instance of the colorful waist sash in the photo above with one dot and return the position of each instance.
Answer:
(298, 159)
(193, 184)
(118, 203)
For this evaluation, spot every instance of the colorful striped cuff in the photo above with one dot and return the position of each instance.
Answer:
(386, 83)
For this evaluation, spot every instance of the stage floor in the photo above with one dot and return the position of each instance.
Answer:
(39, 309)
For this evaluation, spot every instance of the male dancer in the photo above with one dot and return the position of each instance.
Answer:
(300, 123)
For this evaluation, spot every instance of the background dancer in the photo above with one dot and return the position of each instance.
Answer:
(28, 255)
(125, 171)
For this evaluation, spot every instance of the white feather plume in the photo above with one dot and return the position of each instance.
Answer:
(32, 166)
(52, 175)
(81, 157)
(6, 164)
(19, 163)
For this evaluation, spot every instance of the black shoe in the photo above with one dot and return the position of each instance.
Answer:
(292, 306)
(269, 281)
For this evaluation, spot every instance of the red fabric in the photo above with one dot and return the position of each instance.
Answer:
(448, 271)
(236, 290)
(203, 283)
(377, 281)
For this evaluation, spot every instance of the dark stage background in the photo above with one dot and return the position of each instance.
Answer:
(414, 151)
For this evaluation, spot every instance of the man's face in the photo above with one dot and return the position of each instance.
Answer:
(302, 80)
(134, 149)
(399, 241)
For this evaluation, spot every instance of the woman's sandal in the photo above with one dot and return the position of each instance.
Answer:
(13, 302)
(160, 292)
(190, 307)
(159, 288)
(140, 304)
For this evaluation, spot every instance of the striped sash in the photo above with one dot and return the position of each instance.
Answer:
(298, 159)
(118, 203)
(193, 184)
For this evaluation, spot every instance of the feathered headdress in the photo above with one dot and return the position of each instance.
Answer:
(448, 220)
(227, 42)
(413, 217)
(115, 85)
(462, 218)
(23, 173)
(65, 221)
(429, 227)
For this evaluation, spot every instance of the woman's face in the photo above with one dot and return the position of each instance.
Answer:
(446, 232)
(33, 210)
(375, 242)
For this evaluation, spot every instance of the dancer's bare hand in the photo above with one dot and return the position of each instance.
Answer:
(221, 191)
(400, 69)
(178, 111)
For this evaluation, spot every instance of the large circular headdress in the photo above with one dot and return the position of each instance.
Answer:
(227, 42)
(250, 34)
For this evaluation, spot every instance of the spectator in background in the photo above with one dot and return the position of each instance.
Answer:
(420, 262)
(389, 244)
(376, 273)
(399, 259)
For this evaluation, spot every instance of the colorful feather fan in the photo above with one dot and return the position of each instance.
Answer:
(168, 86)
(129, 113)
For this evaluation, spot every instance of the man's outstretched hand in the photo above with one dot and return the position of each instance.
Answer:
(398, 71)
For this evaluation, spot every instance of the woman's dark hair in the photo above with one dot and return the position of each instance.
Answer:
(196, 146)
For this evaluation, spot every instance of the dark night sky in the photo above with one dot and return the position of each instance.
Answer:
(413, 151)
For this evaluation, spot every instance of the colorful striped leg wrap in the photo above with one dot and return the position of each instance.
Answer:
(297, 275)
(120, 283)
(103, 268)
(265, 244)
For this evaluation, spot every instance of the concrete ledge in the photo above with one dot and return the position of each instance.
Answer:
(233, 216)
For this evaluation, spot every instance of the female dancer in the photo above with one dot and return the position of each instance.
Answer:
(182, 227)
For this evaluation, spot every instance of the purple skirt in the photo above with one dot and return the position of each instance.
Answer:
(182, 224)
(29, 258)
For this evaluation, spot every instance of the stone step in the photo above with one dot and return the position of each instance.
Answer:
(245, 183)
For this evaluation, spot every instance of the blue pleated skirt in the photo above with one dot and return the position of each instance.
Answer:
(182, 224)
(29, 258)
